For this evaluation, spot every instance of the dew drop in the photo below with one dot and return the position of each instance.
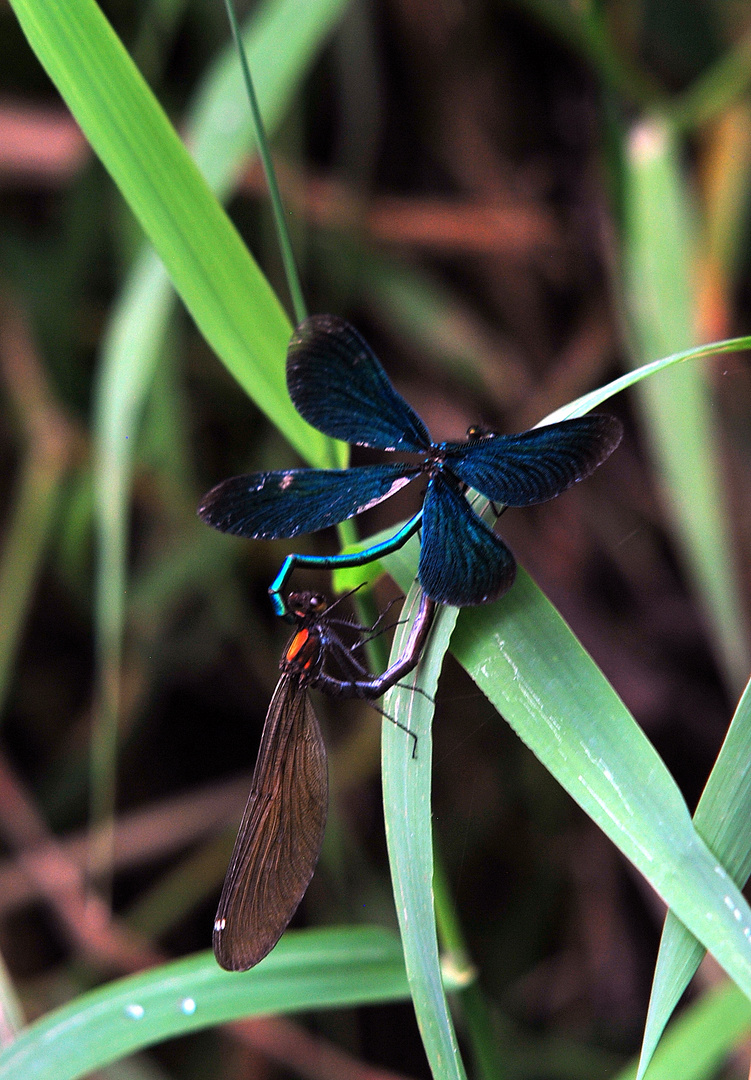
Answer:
(188, 1006)
(134, 1011)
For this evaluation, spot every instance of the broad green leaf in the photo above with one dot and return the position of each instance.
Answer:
(549, 715)
(659, 257)
(312, 969)
(527, 662)
(207, 261)
(407, 812)
(219, 132)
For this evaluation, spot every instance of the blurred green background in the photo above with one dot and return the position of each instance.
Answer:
(514, 201)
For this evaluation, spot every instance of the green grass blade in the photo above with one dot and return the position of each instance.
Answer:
(699, 1042)
(406, 800)
(119, 394)
(715, 90)
(677, 960)
(219, 127)
(590, 401)
(529, 664)
(312, 969)
(721, 819)
(578, 667)
(659, 254)
(262, 147)
(10, 1003)
(219, 133)
(526, 660)
(724, 811)
(480, 1031)
(219, 282)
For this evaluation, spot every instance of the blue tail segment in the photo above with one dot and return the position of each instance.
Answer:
(333, 562)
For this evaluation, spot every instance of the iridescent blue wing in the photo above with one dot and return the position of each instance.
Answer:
(536, 465)
(270, 505)
(462, 562)
(338, 385)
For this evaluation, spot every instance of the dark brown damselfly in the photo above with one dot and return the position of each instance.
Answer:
(281, 831)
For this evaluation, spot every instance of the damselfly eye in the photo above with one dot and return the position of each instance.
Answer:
(478, 431)
(306, 603)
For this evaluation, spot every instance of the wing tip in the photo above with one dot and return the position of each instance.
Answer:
(611, 430)
(462, 598)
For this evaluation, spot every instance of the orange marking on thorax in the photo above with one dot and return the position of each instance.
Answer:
(298, 643)
(303, 649)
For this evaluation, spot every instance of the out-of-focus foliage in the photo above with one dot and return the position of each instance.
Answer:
(515, 202)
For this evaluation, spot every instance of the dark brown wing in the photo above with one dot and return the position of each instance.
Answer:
(281, 832)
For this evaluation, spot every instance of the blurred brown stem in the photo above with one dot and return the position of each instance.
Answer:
(461, 225)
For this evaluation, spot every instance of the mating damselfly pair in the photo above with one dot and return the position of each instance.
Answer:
(338, 385)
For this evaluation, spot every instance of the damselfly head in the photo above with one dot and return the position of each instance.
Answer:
(303, 605)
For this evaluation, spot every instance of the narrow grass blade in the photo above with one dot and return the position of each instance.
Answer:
(312, 969)
(119, 394)
(11, 1010)
(282, 232)
(721, 819)
(712, 93)
(529, 664)
(659, 255)
(532, 707)
(479, 1028)
(594, 398)
(406, 801)
(724, 811)
(698, 1043)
